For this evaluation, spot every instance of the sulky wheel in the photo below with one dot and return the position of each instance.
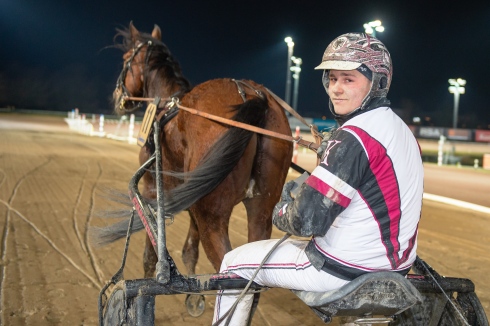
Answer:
(468, 307)
(195, 304)
(115, 311)
(472, 309)
(121, 310)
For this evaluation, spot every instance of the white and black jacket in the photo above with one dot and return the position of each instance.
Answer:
(362, 203)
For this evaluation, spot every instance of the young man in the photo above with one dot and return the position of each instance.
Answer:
(362, 203)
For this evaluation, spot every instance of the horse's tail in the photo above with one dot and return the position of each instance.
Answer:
(219, 161)
(101, 236)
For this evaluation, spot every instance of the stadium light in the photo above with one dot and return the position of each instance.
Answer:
(290, 43)
(296, 69)
(372, 27)
(456, 88)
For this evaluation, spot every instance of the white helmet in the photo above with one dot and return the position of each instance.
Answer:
(352, 50)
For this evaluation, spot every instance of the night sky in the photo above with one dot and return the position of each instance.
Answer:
(58, 55)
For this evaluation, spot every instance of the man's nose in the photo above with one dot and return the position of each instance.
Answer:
(335, 87)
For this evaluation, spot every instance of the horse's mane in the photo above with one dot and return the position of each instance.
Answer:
(160, 57)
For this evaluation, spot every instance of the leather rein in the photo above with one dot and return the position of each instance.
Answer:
(173, 102)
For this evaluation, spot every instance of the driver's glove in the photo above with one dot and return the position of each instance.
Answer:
(278, 216)
(323, 144)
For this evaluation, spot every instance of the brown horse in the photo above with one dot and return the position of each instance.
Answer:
(217, 166)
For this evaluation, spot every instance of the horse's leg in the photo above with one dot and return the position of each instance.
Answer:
(212, 221)
(259, 216)
(190, 251)
(259, 211)
(149, 259)
(268, 176)
(190, 255)
(212, 212)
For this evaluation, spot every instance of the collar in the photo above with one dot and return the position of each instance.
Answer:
(375, 103)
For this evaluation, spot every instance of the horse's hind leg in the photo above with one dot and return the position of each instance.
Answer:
(150, 259)
(268, 176)
(259, 216)
(259, 203)
(190, 251)
(212, 222)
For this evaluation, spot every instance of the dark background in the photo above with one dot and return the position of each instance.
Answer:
(58, 55)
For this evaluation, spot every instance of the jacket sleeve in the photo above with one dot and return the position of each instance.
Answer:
(328, 190)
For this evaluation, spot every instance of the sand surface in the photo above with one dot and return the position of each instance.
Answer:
(51, 186)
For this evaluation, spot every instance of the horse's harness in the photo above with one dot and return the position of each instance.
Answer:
(172, 105)
(121, 89)
(240, 84)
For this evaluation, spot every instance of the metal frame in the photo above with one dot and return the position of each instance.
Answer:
(133, 301)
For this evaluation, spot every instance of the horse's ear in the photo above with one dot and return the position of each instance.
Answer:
(134, 32)
(156, 33)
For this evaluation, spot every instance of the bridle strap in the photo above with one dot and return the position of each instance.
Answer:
(120, 86)
(175, 102)
(298, 140)
(313, 129)
(241, 91)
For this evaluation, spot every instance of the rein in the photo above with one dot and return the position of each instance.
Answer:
(175, 102)
(121, 89)
(124, 95)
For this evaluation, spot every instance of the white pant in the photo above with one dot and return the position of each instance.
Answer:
(287, 267)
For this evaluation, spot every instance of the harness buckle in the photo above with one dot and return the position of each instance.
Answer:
(173, 102)
(122, 102)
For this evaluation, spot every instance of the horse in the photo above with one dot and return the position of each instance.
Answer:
(209, 167)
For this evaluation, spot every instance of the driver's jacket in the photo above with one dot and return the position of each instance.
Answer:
(362, 203)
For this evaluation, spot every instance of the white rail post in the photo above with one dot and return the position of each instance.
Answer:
(83, 124)
(440, 152)
(101, 125)
(131, 139)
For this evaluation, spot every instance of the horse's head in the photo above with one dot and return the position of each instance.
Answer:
(149, 69)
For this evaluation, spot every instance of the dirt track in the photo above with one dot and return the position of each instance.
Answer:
(51, 182)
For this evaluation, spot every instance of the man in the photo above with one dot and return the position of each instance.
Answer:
(361, 205)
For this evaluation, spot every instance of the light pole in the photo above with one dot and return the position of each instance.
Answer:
(290, 43)
(372, 27)
(456, 88)
(296, 70)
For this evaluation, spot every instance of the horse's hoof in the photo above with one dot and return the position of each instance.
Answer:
(195, 304)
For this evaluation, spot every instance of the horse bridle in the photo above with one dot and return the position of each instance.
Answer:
(173, 101)
(121, 89)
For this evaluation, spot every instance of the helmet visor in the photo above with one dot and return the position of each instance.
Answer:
(338, 65)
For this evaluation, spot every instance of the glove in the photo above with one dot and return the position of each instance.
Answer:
(323, 145)
(286, 191)
(285, 198)
(321, 149)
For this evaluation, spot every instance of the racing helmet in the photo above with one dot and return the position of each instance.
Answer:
(359, 51)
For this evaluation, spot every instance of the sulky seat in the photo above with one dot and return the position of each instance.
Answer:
(372, 294)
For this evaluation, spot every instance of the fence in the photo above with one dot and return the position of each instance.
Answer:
(126, 128)
(123, 129)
